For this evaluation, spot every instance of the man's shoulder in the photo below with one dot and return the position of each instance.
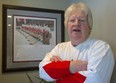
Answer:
(98, 42)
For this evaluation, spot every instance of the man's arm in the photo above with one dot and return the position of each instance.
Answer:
(60, 71)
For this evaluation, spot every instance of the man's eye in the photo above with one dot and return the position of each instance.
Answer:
(81, 20)
(72, 20)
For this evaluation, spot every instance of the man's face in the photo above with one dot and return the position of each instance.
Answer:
(77, 26)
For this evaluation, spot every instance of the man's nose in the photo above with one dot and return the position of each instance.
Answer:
(77, 22)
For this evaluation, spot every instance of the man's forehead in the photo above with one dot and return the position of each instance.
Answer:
(78, 14)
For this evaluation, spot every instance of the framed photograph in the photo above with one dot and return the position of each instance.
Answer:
(28, 34)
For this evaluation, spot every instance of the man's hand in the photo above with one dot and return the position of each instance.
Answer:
(78, 65)
(55, 58)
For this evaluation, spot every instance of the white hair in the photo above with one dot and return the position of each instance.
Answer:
(82, 7)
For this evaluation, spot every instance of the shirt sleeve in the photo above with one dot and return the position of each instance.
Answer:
(45, 61)
(100, 64)
(42, 72)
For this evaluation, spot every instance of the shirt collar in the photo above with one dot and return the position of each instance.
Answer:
(83, 44)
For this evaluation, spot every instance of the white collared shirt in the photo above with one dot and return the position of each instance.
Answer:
(98, 54)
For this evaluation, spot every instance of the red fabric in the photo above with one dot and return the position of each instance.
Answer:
(60, 70)
(57, 69)
(72, 78)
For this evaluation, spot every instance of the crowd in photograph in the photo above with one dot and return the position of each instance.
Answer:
(42, 33)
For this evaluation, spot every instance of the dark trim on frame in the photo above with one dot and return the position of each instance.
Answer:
(5, 43)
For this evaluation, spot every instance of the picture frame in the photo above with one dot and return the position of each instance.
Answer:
(28, 34)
